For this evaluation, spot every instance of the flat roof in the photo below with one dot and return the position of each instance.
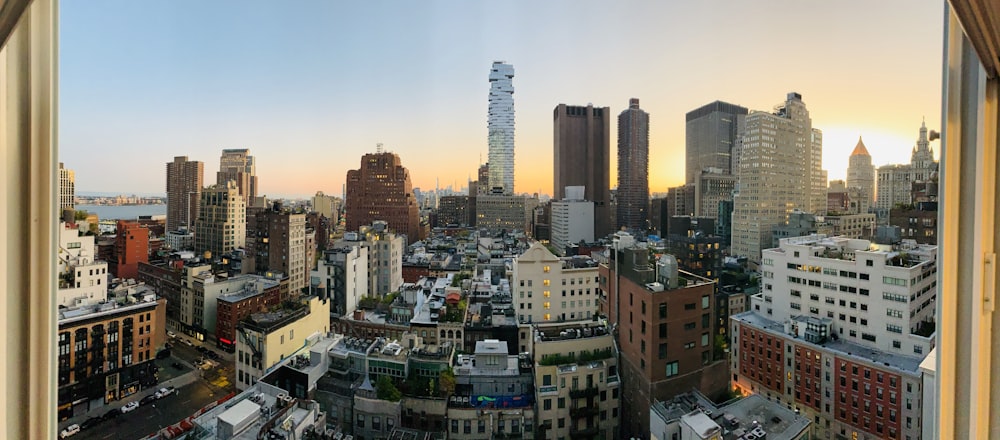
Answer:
(903, 364)
(239, 412)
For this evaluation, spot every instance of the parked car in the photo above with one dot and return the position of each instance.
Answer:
(129, 407)
(168, 345)
(187, 342)
(171, 334)
(112, 413)
(177, 365)
(147, 400)
(201, 349)
(90, 423)
(70, 431)
(212, 354)
(164, 392)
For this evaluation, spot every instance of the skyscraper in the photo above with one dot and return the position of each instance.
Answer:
(67, 187)
(238, 165)
(633, 168)
(276, 240)
(184, 183)
(582, 157)
(861, 176)
(221, 224)
(381, 190)
(501, 128)
(710, 136)
(776, 171)
(895, 181)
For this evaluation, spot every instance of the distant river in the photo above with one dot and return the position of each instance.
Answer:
(125, 212)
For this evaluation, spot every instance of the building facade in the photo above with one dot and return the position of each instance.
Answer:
(453, 210)
(221, 224)
(861, 177)
(633, 168)
(712, 186)
(582, 157)
(82, 278)
(710, 134)
(778, 167)
(264, 339)
(276, 241)
(106, 350)
(131, 248)
(67, 188)
(665, 320)
(327, 206)
(553, 289)
(341, 276)
(895, 182)
(184, 183)
(237, 165)
(500, 126)
(572, 220)
(381, 190)
(497, 212)
(244, 295)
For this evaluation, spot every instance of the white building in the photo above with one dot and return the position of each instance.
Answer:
(779, 168)
(876, 296)
(553, 289)
(82, 279)
(385, 256)
(179, 240)
(572, 220)
(341, 276)
(500, 126)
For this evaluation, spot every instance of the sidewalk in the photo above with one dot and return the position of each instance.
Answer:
(177, 382)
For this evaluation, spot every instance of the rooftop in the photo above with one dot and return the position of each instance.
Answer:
(138, 297)
(906, 254)
(735, 419)
(903, 364)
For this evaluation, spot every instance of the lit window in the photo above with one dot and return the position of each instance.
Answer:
(545, 305)
(545, 282)
(545, 269)
(546, 293)
(547, 316)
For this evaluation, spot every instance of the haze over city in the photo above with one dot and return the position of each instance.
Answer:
(312, 88)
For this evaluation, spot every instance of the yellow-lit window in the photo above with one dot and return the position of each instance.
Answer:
(547, 316)
(545, 269)
(546, 305)
(545, 282)
(546, 293)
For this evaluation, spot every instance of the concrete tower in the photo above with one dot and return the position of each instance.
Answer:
(501, 128)
(633, 168)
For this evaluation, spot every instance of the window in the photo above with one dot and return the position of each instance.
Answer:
(663, 310)
(671, 369)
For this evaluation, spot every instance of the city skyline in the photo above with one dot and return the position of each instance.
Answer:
(142, 84)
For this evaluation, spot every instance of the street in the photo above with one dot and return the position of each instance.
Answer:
(196, 388)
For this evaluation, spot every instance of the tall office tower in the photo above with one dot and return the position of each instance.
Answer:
(184, 183)
(895, 181)
(776, 173)
(633, 168)
(501, 128)
(67, 187)
(221, 225)
(238, 165)
(381, 190)
(582, 157)
(710, 135)
(817, 175)
(861, 176)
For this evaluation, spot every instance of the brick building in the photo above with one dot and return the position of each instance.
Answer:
(131, 248)
(381, 190)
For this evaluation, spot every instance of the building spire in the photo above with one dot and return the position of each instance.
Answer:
(859, 149)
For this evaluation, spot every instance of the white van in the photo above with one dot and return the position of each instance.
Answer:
(70, 431)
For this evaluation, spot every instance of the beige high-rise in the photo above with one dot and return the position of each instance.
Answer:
(861, 176)
(778, 170)
(221, 225)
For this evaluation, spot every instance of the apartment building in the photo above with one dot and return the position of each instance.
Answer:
(554, 289)
(264, 339)
(221, 224)
(666, 330)
(276, 241)
(577, 385)
(493, 396)
(252, 294)
(131, 248)
(106, 349)
(341, 276)
(82, 278)
(572, 220)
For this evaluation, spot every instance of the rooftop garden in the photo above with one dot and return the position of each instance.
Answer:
(584, 357)
(455, 313)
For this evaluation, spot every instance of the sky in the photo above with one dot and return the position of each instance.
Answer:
(311, 86)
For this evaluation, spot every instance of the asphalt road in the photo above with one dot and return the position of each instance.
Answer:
(150, 418)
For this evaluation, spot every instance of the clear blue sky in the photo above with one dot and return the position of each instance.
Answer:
(310, 86)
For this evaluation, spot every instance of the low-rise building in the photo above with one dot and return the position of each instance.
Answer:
(577, 383)
(82, 278)
(695, 417)
(252, 294)
(494, 394)
(264, 339)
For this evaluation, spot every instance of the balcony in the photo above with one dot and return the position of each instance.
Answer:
(586, 411)
(583, 393)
